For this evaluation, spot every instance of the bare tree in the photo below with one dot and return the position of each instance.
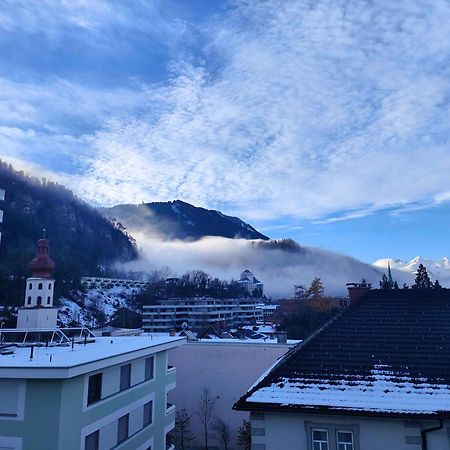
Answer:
(222, 432)
(183, 432)
(205, 414)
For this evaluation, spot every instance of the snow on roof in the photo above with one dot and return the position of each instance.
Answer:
(104, 351)
(384, 392)
(389, 353)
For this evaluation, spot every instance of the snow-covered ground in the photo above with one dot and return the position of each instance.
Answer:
(95, 306)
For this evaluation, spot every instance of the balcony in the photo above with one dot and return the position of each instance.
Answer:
(169, 408)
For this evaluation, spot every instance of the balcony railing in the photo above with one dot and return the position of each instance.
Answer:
(169, 408)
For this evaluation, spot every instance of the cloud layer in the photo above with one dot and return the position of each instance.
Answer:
(283, 108)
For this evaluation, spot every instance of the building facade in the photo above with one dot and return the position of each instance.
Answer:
(199, 312)
(111, 393)
(225, 367)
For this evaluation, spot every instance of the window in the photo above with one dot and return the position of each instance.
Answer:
(39, 300)
(30, 286)
(125, 377)
(332, 436)
(345, 440)
(94, 388)
(91, 441)
(29, 300)
(48, 300)
(122, 428)
(319, 439)
(148, 412)
(49, 285)
(149, 364)
(40, 286)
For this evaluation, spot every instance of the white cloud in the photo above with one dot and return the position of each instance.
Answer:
(301, 109)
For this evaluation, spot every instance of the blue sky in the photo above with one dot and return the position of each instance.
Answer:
(324, 120)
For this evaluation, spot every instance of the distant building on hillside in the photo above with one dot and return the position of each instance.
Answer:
(198, 312)
(375, 377)
(251, 284)
(108, 283)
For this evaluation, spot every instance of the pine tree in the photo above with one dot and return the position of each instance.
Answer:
(422, 280)
(384, 282)
(437, 285)
(395, 285)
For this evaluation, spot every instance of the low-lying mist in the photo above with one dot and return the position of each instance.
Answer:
(279, 265)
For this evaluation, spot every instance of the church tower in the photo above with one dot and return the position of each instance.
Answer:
(38, 310)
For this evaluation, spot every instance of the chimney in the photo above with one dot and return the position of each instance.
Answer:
(357, 291)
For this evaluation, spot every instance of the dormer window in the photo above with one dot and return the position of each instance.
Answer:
(40, 286)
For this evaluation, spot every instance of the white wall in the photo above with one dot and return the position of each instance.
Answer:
(227, 369)
(284, 431)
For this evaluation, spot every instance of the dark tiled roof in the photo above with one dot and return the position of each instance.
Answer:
(387, 354)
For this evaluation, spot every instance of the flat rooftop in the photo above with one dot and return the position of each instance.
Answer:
(63, 361)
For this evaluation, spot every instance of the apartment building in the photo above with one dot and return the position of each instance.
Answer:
(199, 312)
(85, 394)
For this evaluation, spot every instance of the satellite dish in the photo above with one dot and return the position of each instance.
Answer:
(184, 325)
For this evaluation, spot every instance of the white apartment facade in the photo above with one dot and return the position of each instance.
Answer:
(199, 312)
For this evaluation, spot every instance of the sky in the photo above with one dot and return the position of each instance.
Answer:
(326, 121)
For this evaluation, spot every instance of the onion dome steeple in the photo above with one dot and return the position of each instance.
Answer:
(42, 265)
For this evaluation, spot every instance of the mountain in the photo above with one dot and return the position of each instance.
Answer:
(437, 269)
(82, 241)
(180, 220)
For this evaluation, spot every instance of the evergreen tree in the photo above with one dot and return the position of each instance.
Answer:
(422, 280)
(384, 282)
(437, 285)
(405, 286)
(183, 432)
(395, 285)
(244, 438)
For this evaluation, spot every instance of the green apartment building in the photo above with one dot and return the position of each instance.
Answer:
(85, 394)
